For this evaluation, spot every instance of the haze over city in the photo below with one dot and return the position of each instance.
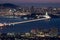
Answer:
(29, 1)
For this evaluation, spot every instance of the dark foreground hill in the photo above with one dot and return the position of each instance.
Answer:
(8, 5)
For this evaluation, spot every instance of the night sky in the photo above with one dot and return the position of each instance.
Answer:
(29, 1)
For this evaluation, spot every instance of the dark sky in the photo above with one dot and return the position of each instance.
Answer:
(29, 1)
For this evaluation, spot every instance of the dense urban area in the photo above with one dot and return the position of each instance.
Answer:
(34, 34)
(19, 11)
(33, 12)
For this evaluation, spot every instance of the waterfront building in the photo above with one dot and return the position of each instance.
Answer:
(40, 34)
(27, 35)
(21, 13)
(11, 34)
(53, 32)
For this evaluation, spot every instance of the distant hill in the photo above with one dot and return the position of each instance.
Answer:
(9, 5)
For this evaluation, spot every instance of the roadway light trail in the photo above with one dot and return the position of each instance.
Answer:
(27, 21)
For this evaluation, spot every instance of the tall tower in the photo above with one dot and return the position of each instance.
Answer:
(32, 9)
(46, 15)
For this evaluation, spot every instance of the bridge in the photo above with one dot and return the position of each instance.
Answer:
(5, 24)
(45, 18)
